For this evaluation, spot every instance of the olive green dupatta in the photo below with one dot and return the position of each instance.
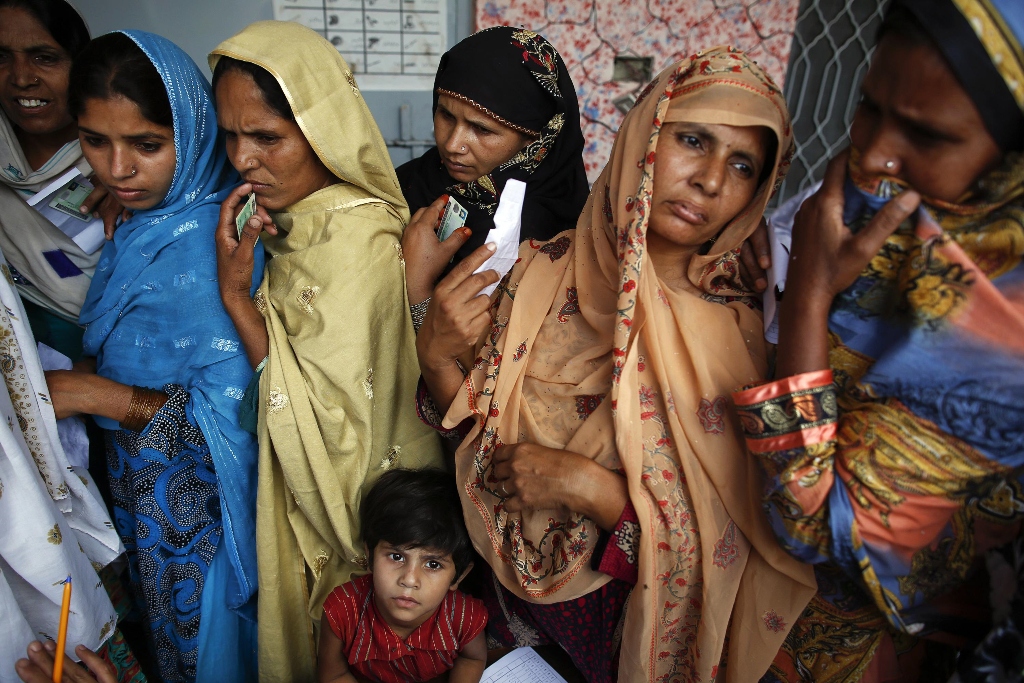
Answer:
(337, 396)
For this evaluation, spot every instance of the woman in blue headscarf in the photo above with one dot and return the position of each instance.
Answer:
(169, 367)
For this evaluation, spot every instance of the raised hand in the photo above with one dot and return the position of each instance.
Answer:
(456, 318)
(426, 257)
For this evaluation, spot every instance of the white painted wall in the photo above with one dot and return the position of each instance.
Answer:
(197, 26)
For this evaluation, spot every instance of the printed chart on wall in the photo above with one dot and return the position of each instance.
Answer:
(389, 44)
(612, 49)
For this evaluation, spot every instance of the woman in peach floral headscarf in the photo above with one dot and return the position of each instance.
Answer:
(603, 465)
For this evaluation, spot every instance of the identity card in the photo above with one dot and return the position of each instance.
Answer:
(247, 211)
(452, 218)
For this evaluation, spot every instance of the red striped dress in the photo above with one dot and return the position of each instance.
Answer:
(373, 650)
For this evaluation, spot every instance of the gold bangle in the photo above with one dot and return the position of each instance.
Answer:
(130, 417)
(143, 406)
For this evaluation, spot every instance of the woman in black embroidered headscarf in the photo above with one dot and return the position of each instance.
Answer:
(504, 107)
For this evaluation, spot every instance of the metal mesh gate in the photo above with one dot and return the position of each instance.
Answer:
(829, 57)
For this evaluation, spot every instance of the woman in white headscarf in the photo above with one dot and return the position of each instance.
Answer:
(38, 145)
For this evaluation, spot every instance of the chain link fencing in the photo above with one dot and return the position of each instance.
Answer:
(829, 56)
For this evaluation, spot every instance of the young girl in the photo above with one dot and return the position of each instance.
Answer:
(406, 621)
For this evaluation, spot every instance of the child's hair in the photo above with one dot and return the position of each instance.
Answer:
(114, 66)
(417, 509)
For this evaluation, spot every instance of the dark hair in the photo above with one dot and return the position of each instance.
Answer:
(946, 30)
(59, 18)
(417, 509)
(901, 22)
(113, 65)
(273, 96)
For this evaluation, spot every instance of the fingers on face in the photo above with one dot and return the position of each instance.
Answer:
(263, 214)
(886, 221)
(835, 173)
(251, 231)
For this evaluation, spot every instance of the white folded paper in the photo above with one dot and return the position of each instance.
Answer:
(508, 220)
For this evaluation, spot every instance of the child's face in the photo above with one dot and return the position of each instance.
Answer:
(410, 583)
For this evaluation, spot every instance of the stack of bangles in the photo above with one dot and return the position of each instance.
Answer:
(419, 312)
(143, 406)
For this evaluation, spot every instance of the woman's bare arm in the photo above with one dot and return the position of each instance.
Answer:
(82, 393)
(235, 264)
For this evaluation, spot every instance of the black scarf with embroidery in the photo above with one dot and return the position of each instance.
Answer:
(516, 77)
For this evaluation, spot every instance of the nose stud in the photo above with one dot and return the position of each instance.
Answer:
(463, 148)
(889, 165)
(134, 170)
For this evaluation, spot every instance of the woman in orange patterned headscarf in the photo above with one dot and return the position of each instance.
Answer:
(603, 464)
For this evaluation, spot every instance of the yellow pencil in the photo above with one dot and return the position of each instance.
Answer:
(62, 634)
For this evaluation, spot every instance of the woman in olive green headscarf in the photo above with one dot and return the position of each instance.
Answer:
(329, 328)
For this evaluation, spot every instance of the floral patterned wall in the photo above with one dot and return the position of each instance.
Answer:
(589, 34)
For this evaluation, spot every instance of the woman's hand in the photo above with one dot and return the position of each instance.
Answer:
(540, 478)
(458, 314)
(756, 258)
(234, 254)
(101, 204)
(425, 256)
(826, 258)
(235, 262)
(73, 392)
(456, 317)
(70, 391)
(38, 668)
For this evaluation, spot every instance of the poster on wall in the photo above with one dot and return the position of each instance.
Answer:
(612, 48)
(389, 44)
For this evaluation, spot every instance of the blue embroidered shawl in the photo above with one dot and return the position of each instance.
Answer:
(154, 313)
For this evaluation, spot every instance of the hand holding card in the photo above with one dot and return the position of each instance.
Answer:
(246, 213)
(452, 218)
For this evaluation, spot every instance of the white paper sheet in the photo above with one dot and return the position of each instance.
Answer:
(522, 665)
(776, 276)
(88, 235)
(508, 219)
(780, 235)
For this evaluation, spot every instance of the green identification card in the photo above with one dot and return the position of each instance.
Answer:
(247, 211)
(70, 198)
(453, 217)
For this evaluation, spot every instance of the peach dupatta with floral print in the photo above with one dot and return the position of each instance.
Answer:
(589, 352)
